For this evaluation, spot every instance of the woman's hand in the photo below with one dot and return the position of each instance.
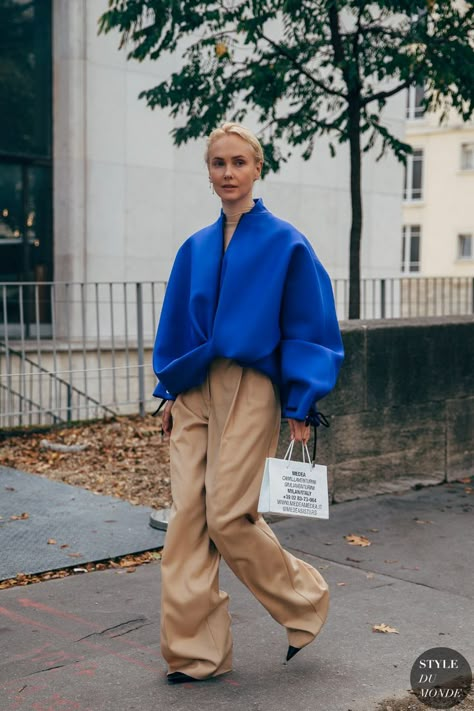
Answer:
(167, 418)
(299, 431)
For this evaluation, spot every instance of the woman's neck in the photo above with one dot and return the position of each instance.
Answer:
(233, 211)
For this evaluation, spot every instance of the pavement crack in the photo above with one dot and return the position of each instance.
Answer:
(114, 627)
(40, 671)
(138, 627)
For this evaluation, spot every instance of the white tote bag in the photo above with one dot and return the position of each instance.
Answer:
(292, 488)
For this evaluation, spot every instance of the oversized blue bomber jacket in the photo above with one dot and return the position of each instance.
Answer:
(266, 302)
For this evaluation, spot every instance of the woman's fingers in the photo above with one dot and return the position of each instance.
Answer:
(299, 431)
(167, 420)
(292, 428)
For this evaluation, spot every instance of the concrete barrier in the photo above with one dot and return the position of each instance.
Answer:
(402, 413)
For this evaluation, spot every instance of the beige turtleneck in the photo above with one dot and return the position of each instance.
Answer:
(231, 222)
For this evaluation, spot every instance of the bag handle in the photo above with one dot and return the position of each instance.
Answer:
(304, 452)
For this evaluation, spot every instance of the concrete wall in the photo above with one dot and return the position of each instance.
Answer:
(125, 198)
(403, 410)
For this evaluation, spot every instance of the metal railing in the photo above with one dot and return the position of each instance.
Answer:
(408, 297)
(71, 351)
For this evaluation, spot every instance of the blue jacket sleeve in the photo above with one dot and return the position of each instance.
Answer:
(311, 345)
(171, 336)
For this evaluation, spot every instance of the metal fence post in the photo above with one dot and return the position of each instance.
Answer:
(141, 351)
(382, 298)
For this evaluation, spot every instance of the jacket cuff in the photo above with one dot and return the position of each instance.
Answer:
(299, 403)
(163, 393)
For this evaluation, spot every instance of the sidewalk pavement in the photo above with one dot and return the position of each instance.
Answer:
(91, 642)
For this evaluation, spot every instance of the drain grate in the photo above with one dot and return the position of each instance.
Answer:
(93, 527)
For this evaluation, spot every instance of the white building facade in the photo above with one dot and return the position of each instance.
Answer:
(438, 208)
(125, 198)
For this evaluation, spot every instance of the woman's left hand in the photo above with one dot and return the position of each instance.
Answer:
(299, 431)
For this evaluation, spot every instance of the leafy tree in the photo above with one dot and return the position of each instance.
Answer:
(306, 68)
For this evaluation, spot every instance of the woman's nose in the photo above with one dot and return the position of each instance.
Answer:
(228, 171)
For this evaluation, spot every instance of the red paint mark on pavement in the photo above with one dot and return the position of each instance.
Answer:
(67, 635)
(231, 682)
(86, 672)
(26, 602)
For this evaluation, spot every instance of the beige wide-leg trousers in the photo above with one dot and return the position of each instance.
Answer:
(222, 432)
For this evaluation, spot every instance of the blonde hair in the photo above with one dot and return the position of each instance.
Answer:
(239, 130)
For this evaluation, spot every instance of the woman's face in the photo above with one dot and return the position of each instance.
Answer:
(233, 169)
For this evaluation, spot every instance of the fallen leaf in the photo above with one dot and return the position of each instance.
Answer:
(126, 563)
(20, 517)
(341, 583)
(355, 540)
(64, 545)
(10, 488)
(131, 570)
(465, 480)
(384, 628)
(420, 520)
(375, 530)
(369, 575)
(390, 561)
(354, 560)
(74, 555)
(51, 541)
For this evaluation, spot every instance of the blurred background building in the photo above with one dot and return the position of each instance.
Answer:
(438, 194)
(95, 200)
(92, 188)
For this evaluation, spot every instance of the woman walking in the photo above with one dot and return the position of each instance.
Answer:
(248, 333)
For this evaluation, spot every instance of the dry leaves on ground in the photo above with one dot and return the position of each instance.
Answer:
(355, 540)
(384, 628)
(127, 564)
(125, 457)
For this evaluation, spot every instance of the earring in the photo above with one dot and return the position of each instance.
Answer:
(211, 186)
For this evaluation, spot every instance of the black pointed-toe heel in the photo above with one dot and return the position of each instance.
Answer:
(180, 678)
(291, 652)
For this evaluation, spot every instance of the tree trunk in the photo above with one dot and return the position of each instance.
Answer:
(356, 205)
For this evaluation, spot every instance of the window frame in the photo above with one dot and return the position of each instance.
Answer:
(409, 234)
(408, 189)
(468, 236)
(465, 167)
(414, 109)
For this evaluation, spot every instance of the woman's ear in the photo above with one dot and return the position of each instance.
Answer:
(258, 169)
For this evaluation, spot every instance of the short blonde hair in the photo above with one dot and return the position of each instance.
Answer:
(239, 130)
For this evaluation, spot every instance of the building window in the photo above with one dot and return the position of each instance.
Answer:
(26, 239)
(467, 156)
(465, 247)
(26, 161)
(411, 239)
(415, 108)
(413, 188)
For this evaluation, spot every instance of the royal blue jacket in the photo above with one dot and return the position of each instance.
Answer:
(266, 302)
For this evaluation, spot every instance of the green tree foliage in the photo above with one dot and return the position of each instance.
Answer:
(305, 68)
